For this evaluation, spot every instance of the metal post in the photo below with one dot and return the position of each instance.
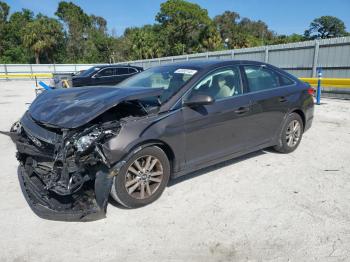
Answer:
(54, 68)
(232, 53)
(266, 54)
(315, 61)
(31, 71)
(6, 72)
(318, 94)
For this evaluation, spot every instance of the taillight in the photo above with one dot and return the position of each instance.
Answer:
(311, 91)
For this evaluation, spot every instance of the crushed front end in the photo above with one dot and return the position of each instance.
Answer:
(64, 173)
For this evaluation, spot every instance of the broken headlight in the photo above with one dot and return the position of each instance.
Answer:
(84, 142)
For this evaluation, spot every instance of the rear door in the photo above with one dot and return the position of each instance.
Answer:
(270, 94)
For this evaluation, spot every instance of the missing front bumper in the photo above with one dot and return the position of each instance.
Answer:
(87, 205)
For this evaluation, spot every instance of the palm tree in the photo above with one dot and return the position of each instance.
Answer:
(42, 36)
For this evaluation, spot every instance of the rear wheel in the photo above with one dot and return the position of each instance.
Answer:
(142, 179)
(291, 134)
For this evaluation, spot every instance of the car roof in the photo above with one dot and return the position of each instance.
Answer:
(116, 65)
(208, 63)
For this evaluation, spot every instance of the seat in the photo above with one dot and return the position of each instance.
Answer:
(233, 84)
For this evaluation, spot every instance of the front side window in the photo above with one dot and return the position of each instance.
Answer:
(261, 78)
(106, 72)
(221, 84)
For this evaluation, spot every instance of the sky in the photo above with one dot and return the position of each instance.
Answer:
(282, 16)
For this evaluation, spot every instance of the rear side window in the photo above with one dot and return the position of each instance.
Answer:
(261, 78)
(122, 71)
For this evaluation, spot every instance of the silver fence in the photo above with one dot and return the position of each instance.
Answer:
(301, 59)
(42, 68)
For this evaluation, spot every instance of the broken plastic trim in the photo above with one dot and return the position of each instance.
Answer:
(45, 208)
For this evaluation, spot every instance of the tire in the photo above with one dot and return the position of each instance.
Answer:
(289, 140)
(134, 176)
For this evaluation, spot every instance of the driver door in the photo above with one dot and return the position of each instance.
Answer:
(219, 129)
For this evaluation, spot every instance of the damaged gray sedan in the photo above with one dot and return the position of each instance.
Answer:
(76, 147)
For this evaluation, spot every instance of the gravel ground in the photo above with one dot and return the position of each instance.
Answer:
(261, 207)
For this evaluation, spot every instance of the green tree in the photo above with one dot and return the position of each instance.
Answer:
(239, 33)
(144, 42)
(227, 24)
(87, 40)
(4, 11)
(182, 23)
(77, 24)
(14, 51)
(257, 29)
(99, 44)
(42, 37)
(210, 39)
(326, 27)
(284, 39)
(99, 23)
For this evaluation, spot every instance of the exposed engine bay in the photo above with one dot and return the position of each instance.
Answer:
(64, 172)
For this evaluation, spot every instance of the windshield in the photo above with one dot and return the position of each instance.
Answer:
(170, 78)
(89, 71)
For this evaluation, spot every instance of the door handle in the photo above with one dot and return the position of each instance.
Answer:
(242, 110)
(282, 99)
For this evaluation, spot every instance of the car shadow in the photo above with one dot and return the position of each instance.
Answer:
(204, 171)
(211, 168)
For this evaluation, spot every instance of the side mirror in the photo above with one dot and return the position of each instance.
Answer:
(198, 100)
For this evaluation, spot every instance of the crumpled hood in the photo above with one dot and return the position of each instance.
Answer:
(74, 107)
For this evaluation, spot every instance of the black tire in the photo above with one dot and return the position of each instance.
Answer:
(284, 145)
(119, 191)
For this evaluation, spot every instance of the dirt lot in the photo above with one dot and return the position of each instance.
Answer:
(262, 207)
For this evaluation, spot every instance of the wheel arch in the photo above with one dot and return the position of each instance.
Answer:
(301, 114)
(162, 145)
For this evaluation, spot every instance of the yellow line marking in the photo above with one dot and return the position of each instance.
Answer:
(328, 82)
(48, 75)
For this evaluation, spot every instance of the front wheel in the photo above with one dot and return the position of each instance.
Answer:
(291, 134)
(142, 179)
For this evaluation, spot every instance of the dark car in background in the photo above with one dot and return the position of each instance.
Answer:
(76, 146)
(104, 75)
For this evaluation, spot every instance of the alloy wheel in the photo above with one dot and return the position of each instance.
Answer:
(293, 133)
(144, 177)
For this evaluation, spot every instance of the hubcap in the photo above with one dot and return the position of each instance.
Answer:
(293, 133)
(144, 177)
